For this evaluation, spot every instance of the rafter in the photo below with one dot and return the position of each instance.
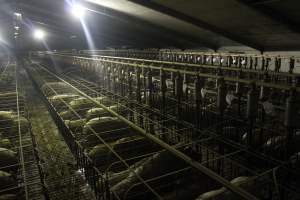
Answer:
(199, 23)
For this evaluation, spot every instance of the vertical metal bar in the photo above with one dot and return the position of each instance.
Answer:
(138, 84)
(163, 89)
(130, 93)
(255, 62)
(221, 105)
(104, 71)
(138, 95)
(251, 63)
(150, 88)
(150, 99)
(186, 87)
(114, 81)
(290, 121)
(252, 109)
(292, 65)
(238, 92)
(179, 92)
(173, 83)
(263, 63)
(20, 139)
(144, 72)
(199, 84)
(108, 75)
(121, 78)
(221, 98)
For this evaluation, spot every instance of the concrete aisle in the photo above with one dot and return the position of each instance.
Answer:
(62, 180)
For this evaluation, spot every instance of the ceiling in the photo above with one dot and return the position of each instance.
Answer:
(263, 25)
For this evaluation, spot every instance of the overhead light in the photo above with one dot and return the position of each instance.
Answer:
(18, 14)
(16, 33)
(17, 27)
(78, 10)
(39, 34)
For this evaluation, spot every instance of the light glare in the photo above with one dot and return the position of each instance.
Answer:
(18, 14)
(39, 34)
(78, 11)
(3, 40)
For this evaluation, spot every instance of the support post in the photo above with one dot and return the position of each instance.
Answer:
(179, 94)
(291, 121)
(252, 110)
(199, 84)
(163, 89)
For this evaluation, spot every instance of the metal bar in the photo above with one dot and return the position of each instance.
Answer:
(85, 158)
(176, 52)
(241, 70)
(198, 65)
(231, 79)
(166, 146)
(20, 140)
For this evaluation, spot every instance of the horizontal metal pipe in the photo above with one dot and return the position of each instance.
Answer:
(237, 79)
(261, 72)
(192, 53)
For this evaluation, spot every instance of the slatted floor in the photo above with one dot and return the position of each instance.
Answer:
(62, 180)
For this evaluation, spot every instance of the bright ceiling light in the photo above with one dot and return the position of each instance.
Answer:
(18, 14)
(78, 10)
(17, 27)
(39, 34)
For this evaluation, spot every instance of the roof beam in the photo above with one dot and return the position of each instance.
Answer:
(66, 32)
(164, 34)
(34, 13)
(146, 33)
(284, 48)
(273, 15)
(197, 22)
(139, 40)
